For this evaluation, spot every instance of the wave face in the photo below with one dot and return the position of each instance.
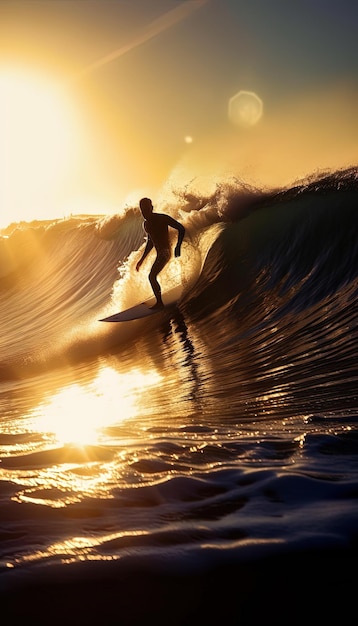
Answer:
(287, 272)
(55, 277)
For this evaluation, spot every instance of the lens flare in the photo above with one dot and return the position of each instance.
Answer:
(245, 108)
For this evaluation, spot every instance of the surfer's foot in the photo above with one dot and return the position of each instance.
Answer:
(157, 306)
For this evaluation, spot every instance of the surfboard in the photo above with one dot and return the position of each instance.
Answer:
(144, 309)
(134, 313)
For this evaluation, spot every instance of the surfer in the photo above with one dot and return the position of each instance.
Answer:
(156, 226)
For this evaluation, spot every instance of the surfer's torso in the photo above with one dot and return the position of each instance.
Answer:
(157, 229)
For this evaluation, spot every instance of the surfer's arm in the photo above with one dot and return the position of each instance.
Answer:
(147, 249)
(181, 232)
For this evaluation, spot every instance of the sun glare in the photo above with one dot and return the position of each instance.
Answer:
(38, 141)
(78, 414)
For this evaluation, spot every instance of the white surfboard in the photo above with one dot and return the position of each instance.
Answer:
(144, 309)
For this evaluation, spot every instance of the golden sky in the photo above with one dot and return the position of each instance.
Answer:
(104, 101)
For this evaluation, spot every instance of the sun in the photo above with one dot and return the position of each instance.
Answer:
(38, 142)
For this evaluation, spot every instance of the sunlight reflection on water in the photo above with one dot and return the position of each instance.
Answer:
(69, 452)
(78, 413)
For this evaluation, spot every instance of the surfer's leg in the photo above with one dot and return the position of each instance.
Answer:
(157, 292)
(160, 262)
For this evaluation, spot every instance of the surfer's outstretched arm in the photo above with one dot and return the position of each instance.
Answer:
(147, 249)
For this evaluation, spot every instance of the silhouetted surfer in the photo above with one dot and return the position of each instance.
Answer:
(156, 226)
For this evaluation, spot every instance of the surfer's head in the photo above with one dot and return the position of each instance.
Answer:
(146, 207)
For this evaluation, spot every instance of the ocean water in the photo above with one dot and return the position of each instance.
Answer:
(212, 446)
